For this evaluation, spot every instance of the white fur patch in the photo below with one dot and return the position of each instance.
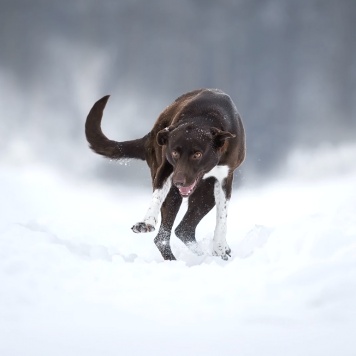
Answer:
(218, 172)
(220, 246)
(158, 197)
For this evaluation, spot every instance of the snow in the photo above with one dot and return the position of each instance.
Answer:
(75, 280)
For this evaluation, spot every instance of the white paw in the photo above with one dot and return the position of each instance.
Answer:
(222, 250)
(142, 227)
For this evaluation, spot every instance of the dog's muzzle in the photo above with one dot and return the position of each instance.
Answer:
(180, 182)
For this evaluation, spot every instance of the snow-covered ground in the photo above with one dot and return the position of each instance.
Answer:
(74, 279)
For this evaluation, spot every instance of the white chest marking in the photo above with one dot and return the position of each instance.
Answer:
(218, 172)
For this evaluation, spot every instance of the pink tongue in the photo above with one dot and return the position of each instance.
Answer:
(186, 190)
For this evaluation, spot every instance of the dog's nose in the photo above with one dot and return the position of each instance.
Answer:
(179, 179)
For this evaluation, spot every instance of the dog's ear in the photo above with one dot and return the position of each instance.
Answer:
(162, 136)
(219, 136)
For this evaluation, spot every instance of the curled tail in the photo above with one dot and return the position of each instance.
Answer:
(100, 144)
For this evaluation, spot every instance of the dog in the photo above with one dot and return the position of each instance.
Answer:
(192, 151)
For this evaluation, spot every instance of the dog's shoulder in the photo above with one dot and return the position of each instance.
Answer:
(208, 102)
(172, 113)
(202, 107)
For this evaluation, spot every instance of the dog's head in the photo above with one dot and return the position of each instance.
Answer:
(192, 151)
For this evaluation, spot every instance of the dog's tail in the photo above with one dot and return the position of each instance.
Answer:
(100, 144)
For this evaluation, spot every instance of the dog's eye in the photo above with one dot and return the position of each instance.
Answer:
(175, 154)
(197, 155)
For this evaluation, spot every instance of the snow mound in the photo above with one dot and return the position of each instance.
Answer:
(74, 280)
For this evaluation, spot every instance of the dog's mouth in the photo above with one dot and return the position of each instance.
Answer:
(189, 189)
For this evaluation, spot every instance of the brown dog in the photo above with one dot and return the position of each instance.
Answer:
(192, 151)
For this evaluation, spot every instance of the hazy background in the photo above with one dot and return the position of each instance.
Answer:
(290, 67)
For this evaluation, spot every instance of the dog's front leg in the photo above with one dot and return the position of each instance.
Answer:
(222, 194)
(150, 220)
(220, 246)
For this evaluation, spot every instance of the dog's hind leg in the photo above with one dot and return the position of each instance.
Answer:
(169, 211)
(200, 203)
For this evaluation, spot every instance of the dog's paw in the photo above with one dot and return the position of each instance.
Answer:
(222, 250)
(142, 227)
(195, 248)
